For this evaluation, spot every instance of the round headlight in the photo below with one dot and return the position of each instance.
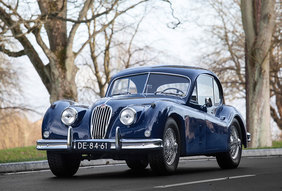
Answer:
(127, 116)
(69, 116)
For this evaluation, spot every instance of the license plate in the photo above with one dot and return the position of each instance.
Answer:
(82, 145)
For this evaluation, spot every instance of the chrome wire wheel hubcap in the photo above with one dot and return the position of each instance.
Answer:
(235, 143)
(170, 146)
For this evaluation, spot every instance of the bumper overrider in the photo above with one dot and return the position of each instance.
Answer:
(98, 144)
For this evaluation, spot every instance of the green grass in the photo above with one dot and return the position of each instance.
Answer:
(21, 154)
(275, 145)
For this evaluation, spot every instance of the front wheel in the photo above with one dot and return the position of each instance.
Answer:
(63, 165)
(166, 160)
(231, 159)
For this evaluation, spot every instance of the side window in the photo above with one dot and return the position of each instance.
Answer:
(217, 97)
(205, 88)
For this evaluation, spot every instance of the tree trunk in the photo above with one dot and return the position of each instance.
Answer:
(258, 22)
(63, 70)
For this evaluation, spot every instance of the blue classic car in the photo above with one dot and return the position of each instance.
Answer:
(150, 115)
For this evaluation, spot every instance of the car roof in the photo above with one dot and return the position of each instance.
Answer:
(189, 71)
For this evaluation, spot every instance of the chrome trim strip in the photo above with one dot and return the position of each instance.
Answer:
(70, 137)
(145, 86)
(44, 144)
(108, 121)
(131, 144)
(117, 139)
(125, 144)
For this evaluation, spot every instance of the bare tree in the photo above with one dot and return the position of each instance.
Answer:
(113, 49)
(258, 19)
(276, 70)
(61, 26)
(227, 59)
(9, 84)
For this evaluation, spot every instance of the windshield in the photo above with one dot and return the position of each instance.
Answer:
(167, 85)
(163, 84)
(129, 85)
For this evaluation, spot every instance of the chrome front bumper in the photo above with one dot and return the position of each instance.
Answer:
(114, 144)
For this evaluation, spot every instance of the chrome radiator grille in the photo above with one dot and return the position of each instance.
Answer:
(100, 120)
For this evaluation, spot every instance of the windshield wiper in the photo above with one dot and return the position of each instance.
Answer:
(124, 93)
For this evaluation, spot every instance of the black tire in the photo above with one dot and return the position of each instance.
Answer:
(232, 158)
(63, 165)
(159, 162)
(137, 164)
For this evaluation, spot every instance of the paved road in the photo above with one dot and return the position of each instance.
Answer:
(262, 173)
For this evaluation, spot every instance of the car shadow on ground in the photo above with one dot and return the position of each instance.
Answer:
(142, 174)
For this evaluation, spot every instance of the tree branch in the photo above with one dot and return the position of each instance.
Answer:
(50, 55)
(74, 28)
(11, 53)
(275, 117)
(29, 50)
(80, 18)
(104, 26)
(176, 24)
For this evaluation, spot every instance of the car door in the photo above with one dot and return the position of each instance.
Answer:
(195, 124)
(211, 98)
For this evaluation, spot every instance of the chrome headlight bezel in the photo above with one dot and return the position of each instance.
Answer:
(68, 113)
(127, 116)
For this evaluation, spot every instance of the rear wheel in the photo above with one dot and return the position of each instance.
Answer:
(231, 159)
(137, 164)
(63, 165)
(166, 160)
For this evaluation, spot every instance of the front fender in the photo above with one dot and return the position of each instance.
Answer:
(58, 130)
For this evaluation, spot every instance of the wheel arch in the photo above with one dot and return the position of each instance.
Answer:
(243, 130)
(181, 127)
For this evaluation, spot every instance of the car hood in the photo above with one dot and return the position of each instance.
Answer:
(124, 101)
(146, 108)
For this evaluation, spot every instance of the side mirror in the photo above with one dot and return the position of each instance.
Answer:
(208, 102)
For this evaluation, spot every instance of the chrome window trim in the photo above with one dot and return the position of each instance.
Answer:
(213, 80)
(149, 73)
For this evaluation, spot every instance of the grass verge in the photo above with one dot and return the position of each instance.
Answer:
(275, 145)
(21, 154)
